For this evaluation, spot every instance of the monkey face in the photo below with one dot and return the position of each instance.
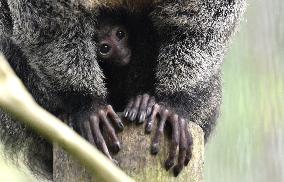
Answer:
(113, 46)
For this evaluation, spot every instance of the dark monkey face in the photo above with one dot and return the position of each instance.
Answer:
(113, 45)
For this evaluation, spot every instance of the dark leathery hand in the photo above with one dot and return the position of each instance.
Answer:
(90, 125)
(181, 138)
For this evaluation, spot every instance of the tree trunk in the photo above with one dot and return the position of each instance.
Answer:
(135, 159)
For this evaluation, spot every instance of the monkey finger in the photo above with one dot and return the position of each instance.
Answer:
(128, 108)
(98, 137)
(115, 144)
(189, 145)
(86, 132)
(65, 118)
(150, 105)
(151, 118)
(78, 126)
(133, 112)
(70, 123)
(160, 131)
(174, 141)
(115, 118)
(182, 148)
(142, 108)
(79, 129)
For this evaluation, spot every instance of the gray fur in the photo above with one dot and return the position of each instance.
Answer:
(196, 35)
(51, 47)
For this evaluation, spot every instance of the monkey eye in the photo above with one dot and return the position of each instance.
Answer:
(120, 34)
(104, 49)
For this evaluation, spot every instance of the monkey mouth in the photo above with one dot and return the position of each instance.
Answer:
(126, 58)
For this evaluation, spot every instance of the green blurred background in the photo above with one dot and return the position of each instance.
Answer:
(248, 143)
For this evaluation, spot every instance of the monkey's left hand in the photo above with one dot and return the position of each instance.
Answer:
(180, 136)
(139, 108)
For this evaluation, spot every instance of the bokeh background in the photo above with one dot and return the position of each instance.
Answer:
(248, 143)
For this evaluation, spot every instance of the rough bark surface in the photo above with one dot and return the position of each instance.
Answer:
(135, 159)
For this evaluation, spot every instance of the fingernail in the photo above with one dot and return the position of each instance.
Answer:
(142, 117)
(154, 149)
(125, 113)
(132, 117)
(148, 111)
(177, 170)
(116, 147)
(120, 125)
(148, 128)
(169, 164)
(186, 161)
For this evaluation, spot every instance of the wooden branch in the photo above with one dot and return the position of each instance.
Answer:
(15, 100)
(135, 159)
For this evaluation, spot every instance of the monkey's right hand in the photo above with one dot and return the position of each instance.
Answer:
(95, 125)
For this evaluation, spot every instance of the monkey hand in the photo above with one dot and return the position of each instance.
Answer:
(181, 138)
(94, 124)
(139, 108)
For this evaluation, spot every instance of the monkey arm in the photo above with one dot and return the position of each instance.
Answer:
(194, 37)
(60, 48)
(58, 65)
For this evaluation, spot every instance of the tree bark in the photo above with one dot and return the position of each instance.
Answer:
(135, 159)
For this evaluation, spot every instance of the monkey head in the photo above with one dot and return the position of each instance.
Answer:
(113, 44)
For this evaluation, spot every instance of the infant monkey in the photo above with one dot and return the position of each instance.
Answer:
(113, 43)
(114, 49)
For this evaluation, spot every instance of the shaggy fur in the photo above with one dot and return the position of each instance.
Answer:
(177, 57)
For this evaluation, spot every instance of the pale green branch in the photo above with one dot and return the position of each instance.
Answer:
(15, 100)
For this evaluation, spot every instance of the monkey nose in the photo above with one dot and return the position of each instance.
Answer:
(104, 49)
